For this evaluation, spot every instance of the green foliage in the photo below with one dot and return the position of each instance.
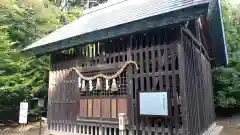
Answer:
(22, 23)
(227, 84)
(227, 79)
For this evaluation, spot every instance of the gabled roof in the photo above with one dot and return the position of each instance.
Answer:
(125, 17)
(215, 20)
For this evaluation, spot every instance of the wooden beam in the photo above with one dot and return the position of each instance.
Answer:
(199, 45)
(101, 67)
(197, 26)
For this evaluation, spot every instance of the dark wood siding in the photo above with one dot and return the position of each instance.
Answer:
(167, 61)
(196, 84)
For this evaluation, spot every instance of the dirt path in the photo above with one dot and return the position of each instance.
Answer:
(27, 133)
(31, 132)
(30, 129)
(230, 128)
(230, 131)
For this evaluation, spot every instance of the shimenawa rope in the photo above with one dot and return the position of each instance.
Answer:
(103, 75)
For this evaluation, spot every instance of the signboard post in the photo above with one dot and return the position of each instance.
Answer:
(23, 113)
(41, 105)
(121, 119)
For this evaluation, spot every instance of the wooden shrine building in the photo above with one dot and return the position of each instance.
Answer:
(148, 59)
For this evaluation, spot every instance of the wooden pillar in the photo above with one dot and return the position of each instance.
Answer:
(129, 75)
(100, 130)
(182, 85)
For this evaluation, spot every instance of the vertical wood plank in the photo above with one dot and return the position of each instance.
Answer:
(115, 131)
(136, 87)
(148, 126)
(60, 88)
(114, 108)
(83, 129)
(160, 65)
(71, 96)
(50, 92)
(105, 108)
(122, 106)
(153, 61)
(147, 62)
(182, 85)
(155, 126)
(92, 130)
(141, 68)
(100, 131)
(96, 131)
(142, 127)
(129, 78)
(110, 131)
(83, 109)
(96, 107)
(168, 120)
(105, 130)
(89, 107)
(174, 90)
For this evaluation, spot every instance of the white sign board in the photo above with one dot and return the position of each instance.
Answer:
(23, 112)
(153, 103)
(121, 119)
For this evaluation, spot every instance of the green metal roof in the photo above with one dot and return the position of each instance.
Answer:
(121, 13)
(125, 17)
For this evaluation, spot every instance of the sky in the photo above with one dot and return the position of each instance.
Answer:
(235, 1)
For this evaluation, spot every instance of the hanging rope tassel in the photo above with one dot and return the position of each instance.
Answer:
(79, 82)
(114, 85)
(83, 86)
(90, 85)
(98, 84)
(107, 85)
